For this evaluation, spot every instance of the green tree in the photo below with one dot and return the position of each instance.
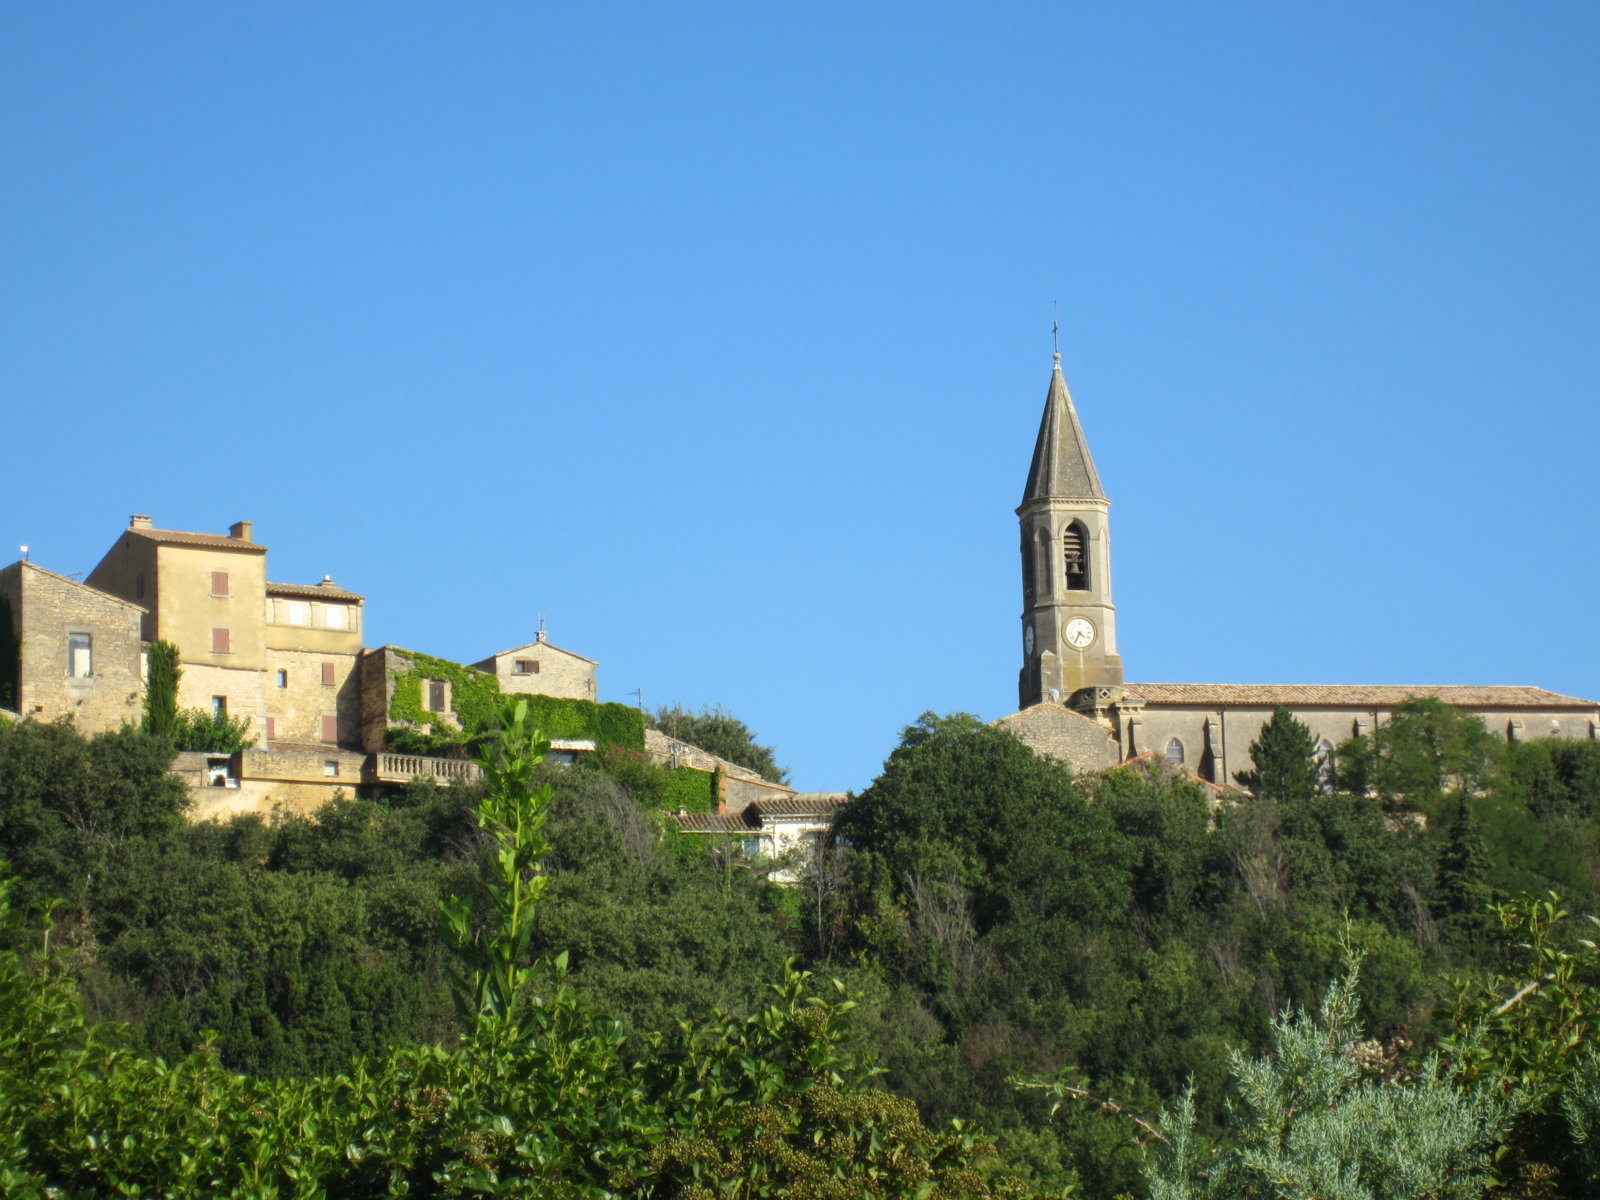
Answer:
(1429, 748)
(212, 732)
(1462, 892)
(718, 731)
(1285, 758)
(161, 690)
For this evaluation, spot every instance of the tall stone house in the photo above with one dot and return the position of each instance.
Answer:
(1074, 704)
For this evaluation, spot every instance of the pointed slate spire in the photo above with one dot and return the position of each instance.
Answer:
(1062, 468)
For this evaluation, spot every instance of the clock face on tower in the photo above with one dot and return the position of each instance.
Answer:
(1079, 633)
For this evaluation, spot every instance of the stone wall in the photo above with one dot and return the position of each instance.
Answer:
(298, 704)
(1057, 732)
(47, 609)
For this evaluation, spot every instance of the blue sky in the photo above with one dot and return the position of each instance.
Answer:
(718, 333)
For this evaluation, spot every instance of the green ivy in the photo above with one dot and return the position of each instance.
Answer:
(687, 789)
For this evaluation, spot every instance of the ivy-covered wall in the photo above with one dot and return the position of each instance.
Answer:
(689, 790)
(475, 699)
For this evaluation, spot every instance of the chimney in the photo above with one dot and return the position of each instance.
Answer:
(137, 521)
(239, 531)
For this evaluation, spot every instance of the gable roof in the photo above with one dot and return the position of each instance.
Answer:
(138, 608)
(1349, 695)
(1061, 467)
(539, 645)
(211, 541)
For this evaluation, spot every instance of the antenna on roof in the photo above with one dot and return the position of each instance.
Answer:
(24, 550)
(638, 694)
(541, 622)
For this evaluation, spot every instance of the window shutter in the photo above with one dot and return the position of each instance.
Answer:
(330, 729)
(327, 675)
(272, 729)
(219, 583)
(219, 641)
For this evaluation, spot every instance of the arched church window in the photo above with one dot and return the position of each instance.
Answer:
(1175, 752)
(1325, 763)
(1027, 573)
(1075, 553)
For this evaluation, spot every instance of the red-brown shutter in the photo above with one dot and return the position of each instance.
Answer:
(330, 729)
(327, 675)
(219, 641)
(272, 729)
(219, 583)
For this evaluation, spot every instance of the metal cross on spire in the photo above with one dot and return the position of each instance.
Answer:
(1055, 327)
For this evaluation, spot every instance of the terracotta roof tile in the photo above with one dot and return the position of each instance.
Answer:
(712, 822)
(1350, 695)
(315, 591)
(215, 541)
(802, 804)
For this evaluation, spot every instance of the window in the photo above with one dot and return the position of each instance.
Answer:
(435, 695)
(219, 583)
(330, 768)
(283, 678)
(1027, 572)
(295, 612)
(1075, 555)
(80, 656)
(219, 706)
(1175, 752)
(327, 675)
(272, 728)
(525, 666)
(138, 586)
(219, 641)
(335, 616)
(330, 728)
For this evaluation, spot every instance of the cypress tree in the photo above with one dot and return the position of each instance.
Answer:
(1285, 758)
(161, 691)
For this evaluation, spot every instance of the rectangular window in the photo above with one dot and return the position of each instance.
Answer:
(525, 666)
(327, 675)
(80, 655)
(335, 616)
(331, 768)
(283, 678)
(295, 612)
(330, 729)
(219, 706)
(219, 641)
(435, 696)
(272, 729)
(219, 583)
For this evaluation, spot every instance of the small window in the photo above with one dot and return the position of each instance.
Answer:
(80, 656)
(138, 586)
(335, 616)
(330, 768)
(525, 666)
(272, 728)
(296, 612)
(219, 706)
(219, 583)
(330, 728)
(283, 678)
(1175, 752)
(327, 675)
(436, 698)
(219, 641)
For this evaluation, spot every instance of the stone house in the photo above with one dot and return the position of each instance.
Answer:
(69, 650)
(792, 828)
(542, 668)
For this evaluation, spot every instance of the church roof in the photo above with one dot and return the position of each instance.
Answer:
(1349, 695)
(1061, 468)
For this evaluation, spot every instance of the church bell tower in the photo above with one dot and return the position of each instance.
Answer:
(1069, 626)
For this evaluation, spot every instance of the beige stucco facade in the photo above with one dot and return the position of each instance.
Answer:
(79, 653)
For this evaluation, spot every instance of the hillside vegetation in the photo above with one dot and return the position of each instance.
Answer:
(1371, 986)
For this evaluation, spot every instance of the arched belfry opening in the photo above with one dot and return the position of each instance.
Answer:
(1027, 573)
(1075, 557)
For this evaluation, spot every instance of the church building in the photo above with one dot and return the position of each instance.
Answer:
(1074, 703)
